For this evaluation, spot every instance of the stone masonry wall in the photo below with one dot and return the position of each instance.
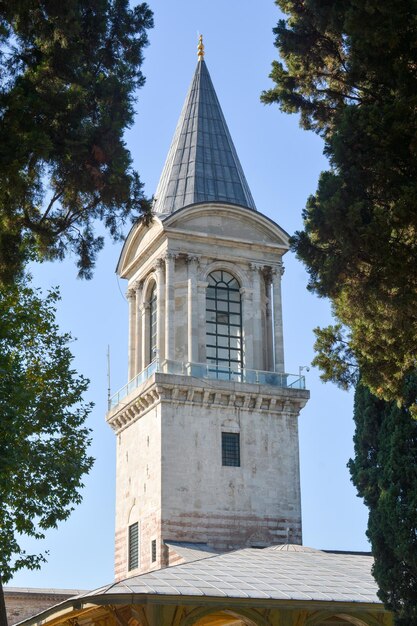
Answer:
(22, 603)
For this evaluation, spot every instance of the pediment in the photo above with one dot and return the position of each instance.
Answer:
(230, 222)
(208, 221)
(139, 243)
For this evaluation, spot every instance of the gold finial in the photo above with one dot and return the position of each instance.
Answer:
(200, 48)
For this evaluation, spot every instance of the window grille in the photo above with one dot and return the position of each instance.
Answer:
(133, 546)
(231, 449)
(153, 550)
(224, 325)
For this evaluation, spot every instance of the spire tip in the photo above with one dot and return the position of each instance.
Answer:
(200, 48)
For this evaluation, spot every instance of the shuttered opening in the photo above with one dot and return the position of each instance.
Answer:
(133, 546)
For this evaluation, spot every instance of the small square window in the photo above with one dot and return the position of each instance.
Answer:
(153, 550)
(133, 560)
(231, 449)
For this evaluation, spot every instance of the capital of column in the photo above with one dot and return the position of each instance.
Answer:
(131, 293)
(192, 258)
(278, 269)
(159, 263)
(138, 285)
(256, 267)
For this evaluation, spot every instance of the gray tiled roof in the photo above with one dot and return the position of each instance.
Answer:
(260, 574)
(202, 163)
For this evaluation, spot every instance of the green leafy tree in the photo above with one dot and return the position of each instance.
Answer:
(68, 74)
(43, 439)
(349, 69)
(384, 472)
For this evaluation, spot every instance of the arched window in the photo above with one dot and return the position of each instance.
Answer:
(224, 325)
(152, 325)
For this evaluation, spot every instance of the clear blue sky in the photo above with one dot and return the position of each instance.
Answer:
(282, 164)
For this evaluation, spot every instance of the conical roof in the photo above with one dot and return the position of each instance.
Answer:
(202, 163)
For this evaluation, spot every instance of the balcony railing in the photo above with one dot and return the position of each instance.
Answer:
(209, 371)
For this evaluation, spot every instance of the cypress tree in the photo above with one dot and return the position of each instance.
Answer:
(384, 472)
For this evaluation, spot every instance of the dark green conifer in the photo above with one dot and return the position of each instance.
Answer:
(384, 472)
(349, 69)
(68, 74)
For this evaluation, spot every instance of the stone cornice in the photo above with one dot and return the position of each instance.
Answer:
(185, 390)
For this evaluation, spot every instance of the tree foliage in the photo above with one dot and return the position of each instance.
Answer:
(68, 73)
(384, 472)
(43, 439)
(349, 69)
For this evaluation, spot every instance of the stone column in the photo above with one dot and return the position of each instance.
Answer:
(269, 348)
(247, 327)
(160, 309)
(138, 334)
(277, 272)
(170, 306)
(201, 303)
(257, 317)
(145, 334)
(131, 297)
(192, 310)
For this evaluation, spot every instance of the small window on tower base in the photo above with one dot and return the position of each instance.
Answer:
(231, 449)
(153, 550)
(133, 546)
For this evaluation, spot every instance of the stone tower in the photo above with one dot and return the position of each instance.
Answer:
(207, 433)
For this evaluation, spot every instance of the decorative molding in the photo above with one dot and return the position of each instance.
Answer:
(177, 390)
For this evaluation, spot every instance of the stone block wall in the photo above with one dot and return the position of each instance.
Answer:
(22, 603)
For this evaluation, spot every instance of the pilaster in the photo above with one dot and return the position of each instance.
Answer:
(138, 322)
(277, 272)
(160, 316)
(192, 309)
(257, 316)
(131, 298)
(201, 302)
(170, 306)
(269, 348)
(145, 334)
(247, 326)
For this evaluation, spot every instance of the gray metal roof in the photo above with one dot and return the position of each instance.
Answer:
(268, 573)
(191, 551)
(202, 163)
(43, 591)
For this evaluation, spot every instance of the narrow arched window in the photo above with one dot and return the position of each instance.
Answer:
(224, 324)
(152, 325)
